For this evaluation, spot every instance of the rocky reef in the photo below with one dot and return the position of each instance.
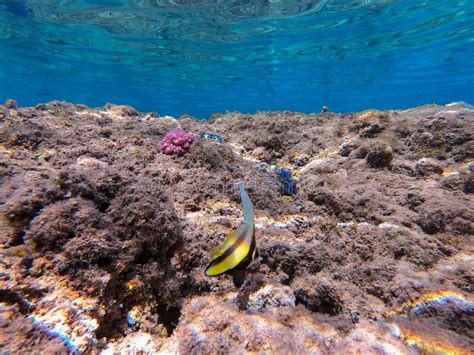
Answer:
(104, 239)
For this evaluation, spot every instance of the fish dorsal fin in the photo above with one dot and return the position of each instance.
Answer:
(229, 240)
(247, 206)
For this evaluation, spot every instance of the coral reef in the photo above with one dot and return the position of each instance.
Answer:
(104, 241)
(287, 181)
(11, 104)
(176, 142)
(213, 137)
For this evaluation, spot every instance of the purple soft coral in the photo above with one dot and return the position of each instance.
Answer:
(177, 142)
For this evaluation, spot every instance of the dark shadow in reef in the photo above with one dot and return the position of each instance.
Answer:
(155, 267)
(11, 297)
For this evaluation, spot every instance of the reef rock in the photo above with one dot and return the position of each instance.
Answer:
(270, 297)
(104, 240)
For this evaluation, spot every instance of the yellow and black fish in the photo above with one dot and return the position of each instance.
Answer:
(239, 247)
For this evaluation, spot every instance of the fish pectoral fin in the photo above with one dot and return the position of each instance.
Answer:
(255, 263)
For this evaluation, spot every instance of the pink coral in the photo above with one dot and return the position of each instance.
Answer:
(176, 142)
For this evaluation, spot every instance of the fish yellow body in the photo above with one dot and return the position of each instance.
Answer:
(239, 247)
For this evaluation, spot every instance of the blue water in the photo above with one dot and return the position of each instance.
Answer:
(203, 56)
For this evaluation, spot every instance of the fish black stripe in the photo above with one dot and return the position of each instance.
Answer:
(248, 258)
(228, 251)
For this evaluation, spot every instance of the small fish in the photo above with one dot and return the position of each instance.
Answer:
(239, 247)
(287, 181)
(213, 137)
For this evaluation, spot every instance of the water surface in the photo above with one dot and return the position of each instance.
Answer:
(202, 56)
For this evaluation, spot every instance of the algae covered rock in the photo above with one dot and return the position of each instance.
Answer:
(425, 167)
(270, 297)
(379, 155)
(209, 325)
(211, 155)
(104, 240)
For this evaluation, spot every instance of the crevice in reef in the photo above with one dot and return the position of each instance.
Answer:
(117, 308)
(169, 317)
(325, 305)
(11, 297)
(143, 257)
(115, 321)
(18, 239)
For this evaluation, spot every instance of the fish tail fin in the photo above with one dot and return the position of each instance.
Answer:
(238, 276)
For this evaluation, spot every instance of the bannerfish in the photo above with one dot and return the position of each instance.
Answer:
(239, 247)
